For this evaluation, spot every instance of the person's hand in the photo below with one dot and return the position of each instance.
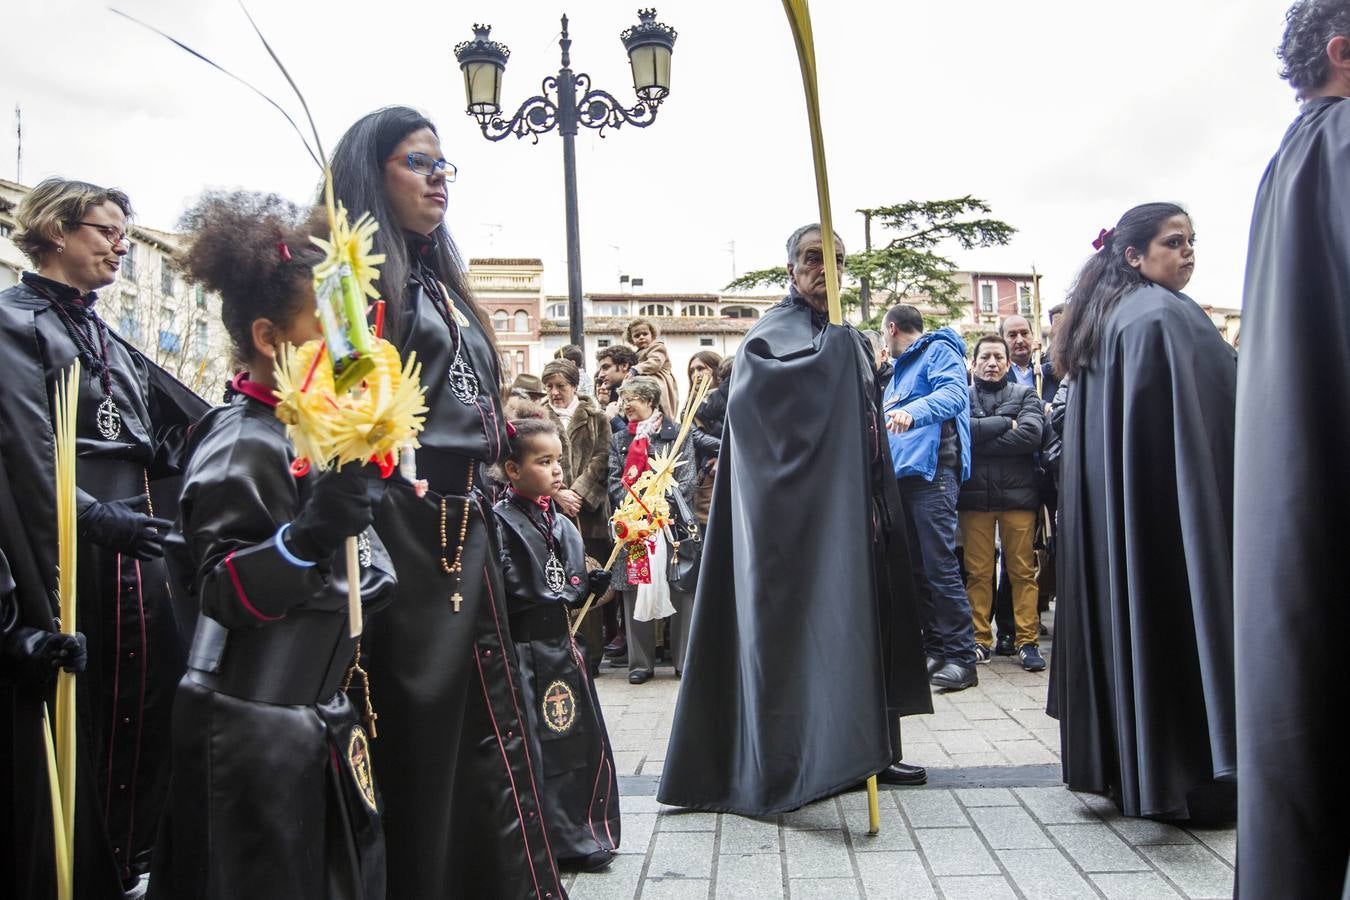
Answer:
(35, 655)
(342, 505)
(598, 580)
(899, 422)
(125, 526)
(1048, 408)
(570, 501)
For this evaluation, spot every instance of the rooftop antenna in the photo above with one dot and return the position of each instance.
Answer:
(18, 133)
(731, 248)
(492, 229)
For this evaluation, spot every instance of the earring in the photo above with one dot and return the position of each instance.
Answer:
(60, 249)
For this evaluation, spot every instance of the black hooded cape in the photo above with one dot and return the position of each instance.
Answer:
(1142, 675)
(135, 647)
(270, 795)
(571, 745)
(1293, 489)
(805, 635)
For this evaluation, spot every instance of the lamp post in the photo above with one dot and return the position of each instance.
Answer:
(568, 100)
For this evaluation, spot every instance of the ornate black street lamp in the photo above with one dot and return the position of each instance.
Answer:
(568, 100)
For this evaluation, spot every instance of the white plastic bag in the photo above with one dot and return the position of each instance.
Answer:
(653, 600)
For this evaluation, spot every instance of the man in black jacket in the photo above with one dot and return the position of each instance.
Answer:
(1005, 434)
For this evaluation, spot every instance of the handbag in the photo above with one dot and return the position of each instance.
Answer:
(683, 565)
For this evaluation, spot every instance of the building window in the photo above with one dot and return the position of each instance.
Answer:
(520, 361)
(166, 280)
(655, 309)
(740, 312)
(203, 339)
(522, 321)
(556, 311)
(987, 299)
(1024, 300)
(501, 321)
(699, 309)
(609, 309)
(169, 342)
(167, 314)
(200, 296)
(705, 342)
(6, 229)
(603, 342)
(129, 263)
(128, 327)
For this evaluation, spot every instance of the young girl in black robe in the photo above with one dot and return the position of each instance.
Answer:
(544, 569)
(271, 793)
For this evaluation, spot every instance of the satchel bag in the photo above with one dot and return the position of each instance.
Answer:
(683, 565)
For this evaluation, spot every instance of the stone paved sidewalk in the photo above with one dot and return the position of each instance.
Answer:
(994, 821)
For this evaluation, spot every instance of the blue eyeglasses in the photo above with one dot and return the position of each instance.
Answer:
(424, 165)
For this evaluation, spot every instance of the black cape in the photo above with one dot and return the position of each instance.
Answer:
(136, 652)
(463, 815)
(271, 796)
(1292, 493)
(805, 635)
(579, 785)
(1142, 675)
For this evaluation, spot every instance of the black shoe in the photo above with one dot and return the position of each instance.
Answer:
(1005, 646)
(619, 662)
(982, 654)
(593, 862)
(954, 677)
(639, 676)
(934, 663)
(900, 773)
(1031, 658)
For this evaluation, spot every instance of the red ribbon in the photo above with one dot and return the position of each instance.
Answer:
(1102, 237)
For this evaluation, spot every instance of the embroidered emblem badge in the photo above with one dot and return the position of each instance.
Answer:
(560, 707)
(554, 575)
(358, 757)
(365, 553)
(109, 420)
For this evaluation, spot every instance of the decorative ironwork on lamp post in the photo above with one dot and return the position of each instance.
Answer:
(568, 100)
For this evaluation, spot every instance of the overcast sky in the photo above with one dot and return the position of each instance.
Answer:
(1060, 113)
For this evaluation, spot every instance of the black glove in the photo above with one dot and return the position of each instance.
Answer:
(342, 505)
(123, 525)
(597, 581)
(33, 655)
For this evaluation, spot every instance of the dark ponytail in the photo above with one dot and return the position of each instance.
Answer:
(1103, 280)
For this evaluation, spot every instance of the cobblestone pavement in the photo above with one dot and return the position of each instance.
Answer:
(993, 822)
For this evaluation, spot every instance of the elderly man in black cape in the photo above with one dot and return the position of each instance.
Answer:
(1293, 486)
(804, 647)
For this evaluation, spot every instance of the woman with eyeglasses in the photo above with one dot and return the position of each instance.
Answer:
(462, 813)
(131, 420)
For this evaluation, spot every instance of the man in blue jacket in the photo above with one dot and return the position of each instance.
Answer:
(927, 408)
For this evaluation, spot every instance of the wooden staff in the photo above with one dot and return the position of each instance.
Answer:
(799, 16)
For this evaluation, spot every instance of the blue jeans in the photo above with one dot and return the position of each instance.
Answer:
(930, 517)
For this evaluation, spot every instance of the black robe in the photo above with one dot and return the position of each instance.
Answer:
(804, 566)
(1290, 531)
(271, 795)
(463, 816)
(1142, 675)
(136, 650)
(580, 788)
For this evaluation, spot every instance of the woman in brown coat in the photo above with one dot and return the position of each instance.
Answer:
(585, 499)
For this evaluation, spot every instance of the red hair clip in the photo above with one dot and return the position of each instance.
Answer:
(510, 430)
(283, 251)
(1102, 237)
